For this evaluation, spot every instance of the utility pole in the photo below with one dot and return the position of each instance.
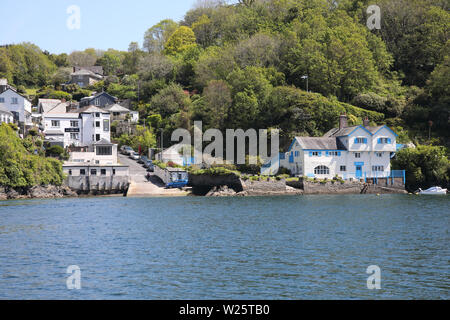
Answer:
(162, 144)
(430, 124)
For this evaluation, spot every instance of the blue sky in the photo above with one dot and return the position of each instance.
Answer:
(104, 23)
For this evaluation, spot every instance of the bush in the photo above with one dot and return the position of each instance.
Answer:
(55, 151)
(21, 168)
(425, 166)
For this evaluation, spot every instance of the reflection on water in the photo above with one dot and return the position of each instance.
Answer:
(312, 247)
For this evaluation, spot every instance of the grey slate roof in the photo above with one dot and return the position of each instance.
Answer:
(336, 132)
(103, 142)
(84, 72)
(117, 108)
(309, 143)
(91, 109)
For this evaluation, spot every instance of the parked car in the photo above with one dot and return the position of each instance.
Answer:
(143, 160)
(150, 166)
(135, 156)
(126, 150)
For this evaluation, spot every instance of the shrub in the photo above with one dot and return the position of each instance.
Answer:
(54, 151)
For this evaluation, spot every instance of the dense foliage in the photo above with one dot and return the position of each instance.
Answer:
(22, 165)
(249, 64)
(425, 166)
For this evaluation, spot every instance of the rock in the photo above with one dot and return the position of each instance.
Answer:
(222, 191)
(36, 192)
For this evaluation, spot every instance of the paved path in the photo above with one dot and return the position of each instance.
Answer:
(140, 187)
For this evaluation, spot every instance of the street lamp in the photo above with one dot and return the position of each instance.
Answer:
(307, 82)
(162, 144)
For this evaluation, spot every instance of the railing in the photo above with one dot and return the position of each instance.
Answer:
(375, 175)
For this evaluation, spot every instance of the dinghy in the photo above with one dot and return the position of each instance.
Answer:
(433, 190)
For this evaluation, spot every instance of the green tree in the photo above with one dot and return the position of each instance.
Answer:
(181, 40)
(425, 166)
(156, 37)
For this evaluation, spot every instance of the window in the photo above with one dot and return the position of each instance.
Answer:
(74, 136)
(116, 114)
(297, 153)
(114, 172)
(343, 168)
(377, 168)
(104, 151)
(97, 124)
(97, 137)
(93, 172)
(360, 140)
(82, 172)
(315, 154)
(321, 170)
(55, 123)
(74, 124)
(384, 141)
(333, 153)
(106, 125)
(103, 172)
(14, 101)
(357, 155)
(97, 103)
(97, 115)
(2, 100)
(379, 154)
(70, 172)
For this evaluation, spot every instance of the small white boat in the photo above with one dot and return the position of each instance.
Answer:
(433, 191)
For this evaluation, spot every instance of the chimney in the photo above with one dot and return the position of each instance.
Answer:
(366, 122)
(343, 121)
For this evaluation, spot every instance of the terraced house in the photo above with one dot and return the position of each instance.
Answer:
(355, 152)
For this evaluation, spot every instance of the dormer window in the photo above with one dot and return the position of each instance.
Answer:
(360, 140)
(384, 141)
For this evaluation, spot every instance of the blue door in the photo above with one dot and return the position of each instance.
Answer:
(359, 172)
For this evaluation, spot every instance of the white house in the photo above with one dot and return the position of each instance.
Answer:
(18, 105)
(62, 129)
(120, 113)
(100, 160)
(175, 154)
(356, 152)
(96, 125)
(97, 169)
(81, 128)
(5, 115)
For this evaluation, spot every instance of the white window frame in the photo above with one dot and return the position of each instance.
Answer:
(358, 155)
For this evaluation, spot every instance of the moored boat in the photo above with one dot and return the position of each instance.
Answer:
(433, 191)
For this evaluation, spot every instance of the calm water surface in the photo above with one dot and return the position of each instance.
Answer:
(312, 247)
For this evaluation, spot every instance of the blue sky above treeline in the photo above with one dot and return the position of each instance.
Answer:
(104, 23)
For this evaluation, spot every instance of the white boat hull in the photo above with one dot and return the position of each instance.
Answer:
(434, 191)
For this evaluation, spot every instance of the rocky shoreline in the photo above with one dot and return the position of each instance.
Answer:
(37, 192)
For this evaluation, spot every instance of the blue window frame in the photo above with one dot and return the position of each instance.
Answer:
(360, 140)
(297, 153)
(384, 140)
